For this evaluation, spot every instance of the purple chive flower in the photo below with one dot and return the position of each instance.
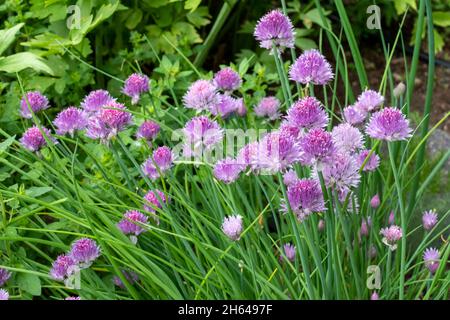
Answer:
(201, 134)
(365, 226)
(37, 102)
(431, 258)
(232, 227)
(354, 114)
(160, 162)
(289, 252)
(84, 251)
(201, 95)
(389, 124)
(131, 277)
(70, 120)
(290, 177)
(148, 130)
(429, 219)
(153, 200)
(374, 296)
(96, 100)
(131, 223)
(347, 139)
(391, 219)
(73, 298)
(369, 100)
(4, 295)
(227, 170)
(135, 85)
(305, 198)
(247, 154)
(312, 67)
(33, 139)
(318, 147)
(307, 113)
(292, 130)
(268, 107)
(4, 276)
(227, 80)
(375, 201)
(275, 29)
(241, 109)
(391, 235)
(371, 164)
(341, 173)
(62, 267)
(108, 122)
(226, 106)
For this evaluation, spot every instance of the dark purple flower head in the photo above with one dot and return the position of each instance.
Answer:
(70, 120)
(391, 235)
(429, 219)
(268, 107)
(33, 139)
(289, 252)
(275, 29)
(201, 95)
(135, 85)
(371, 164)
(375, 201)
(4, 295)
(62, 267)
(317, 146)
(160, 162)
(369, 100)
(305, 198)
(131, 277)
(227, 80)
(431, 258)
(130, 224)
(148, 130)
(226, 106)
(108, 122)
(84, 251)
(307, 113)
(153, 200)
(4, 276)
(312, 67)
(389, 124)
(347, 139)
(228, 170)
(37, 102)
(96, 100)
(232, 226)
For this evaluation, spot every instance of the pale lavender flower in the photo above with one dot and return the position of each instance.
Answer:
(307, 113)
(232, 226)
(226, 106)
(160, 162)
(84, 252)
(289, 252)
(375, 201)
(201, 95)
(247, 154)
(371, 164)
(96, 100)
(391, 235)
(153, 200)
(135, 85)
(292, 130)
(34, 140)
(317, 146)
(290, 177)
(131, 277)
(431, 258)
(305, 198)
(429, 219)
(148, 130)
(241, 109)
(227, 80)
(374, 296)
(4, 276)
(389, 124)
(275, 29)
(4, 295)
(70, 120)
(228, 170)
(312, 67)
(201, 134)
(62, 267)
(268, 107)
(346, 138)
(354, 114)
(37, 102)
(73, 298)
(108, 122)
(369, 100)
(131, 223)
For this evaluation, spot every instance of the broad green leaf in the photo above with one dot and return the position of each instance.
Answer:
(199, 17)
(313, 16)
(22, 60)
(29, 283)
(402, 5)
(7, 36)
(37, 191)
(441, 18)
(134, 18)
(5, 144)
(192, 4)
(438, 41)
(305, 43)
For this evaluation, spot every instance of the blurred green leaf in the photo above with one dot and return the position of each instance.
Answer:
(29, 283)
(7, 36)
(22, 60)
